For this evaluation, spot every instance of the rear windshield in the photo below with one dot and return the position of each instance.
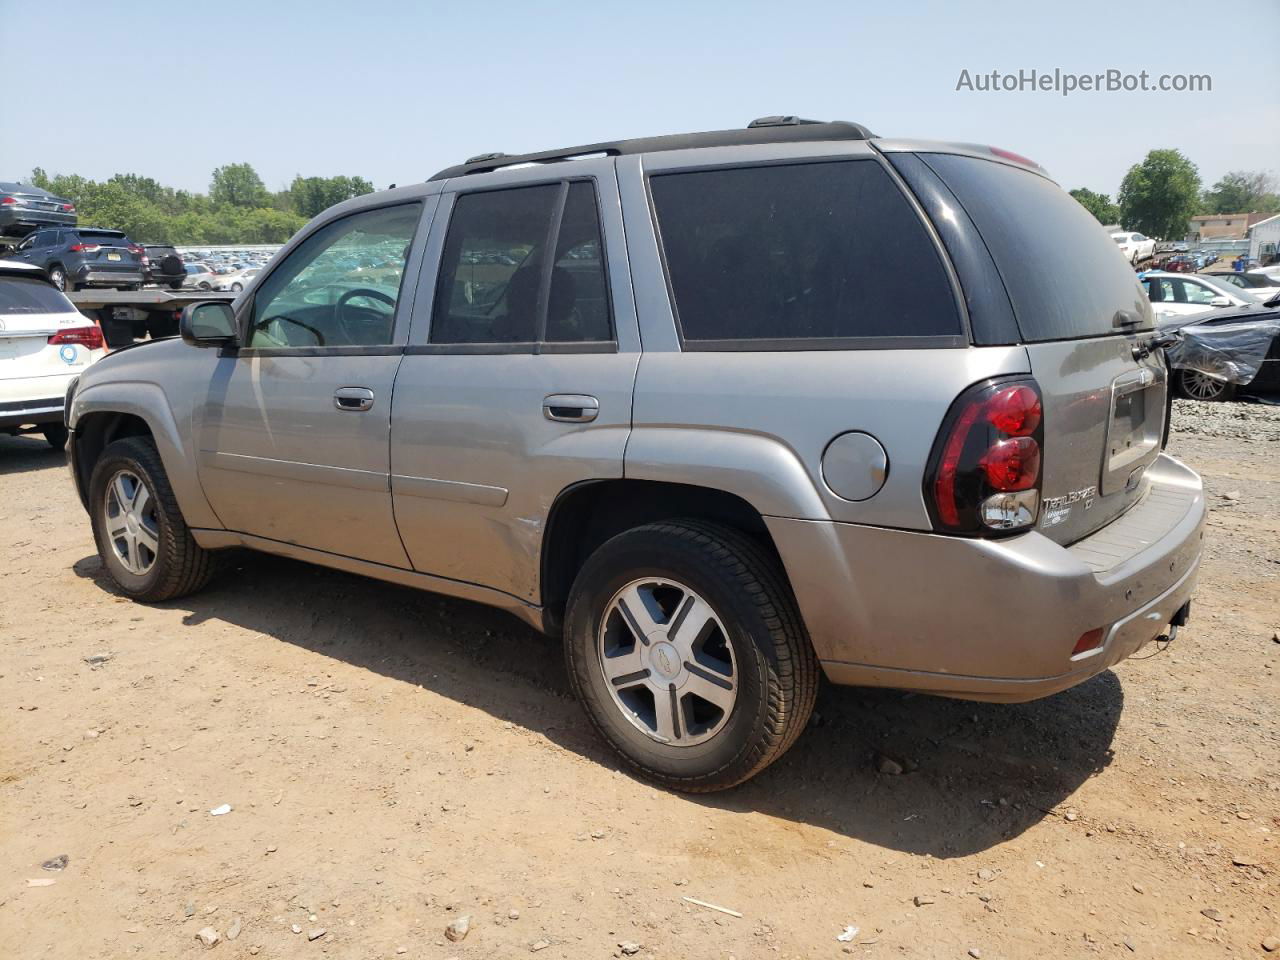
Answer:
(20, 295)
(800, 256)
(103, 236)
(1064, 274)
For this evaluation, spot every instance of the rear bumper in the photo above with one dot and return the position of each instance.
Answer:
(994, 619)
(88, 276)
(19, 413)
(18, 221)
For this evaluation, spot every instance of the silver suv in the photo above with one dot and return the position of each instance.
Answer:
(728, 411)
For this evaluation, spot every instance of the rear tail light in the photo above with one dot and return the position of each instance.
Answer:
(85, 247)
(984, 474)
(68, 208)
(8, 200)
(90, 336)
(135, 249)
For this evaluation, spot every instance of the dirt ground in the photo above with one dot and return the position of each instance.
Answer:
(394, 760)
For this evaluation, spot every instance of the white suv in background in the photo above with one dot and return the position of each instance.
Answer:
(1135, 246)
(44, 344)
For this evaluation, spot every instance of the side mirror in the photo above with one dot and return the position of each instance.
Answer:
(210, 324)
(1220, 302)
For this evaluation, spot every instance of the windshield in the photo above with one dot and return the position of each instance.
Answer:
(1228, 289)
(20, 295)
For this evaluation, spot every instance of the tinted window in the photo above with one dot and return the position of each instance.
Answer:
(1064, 275)
(19, 295)
(491, 270)
(823, 251)
(578, 308)
(340, 286)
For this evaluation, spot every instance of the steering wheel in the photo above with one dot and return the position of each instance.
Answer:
(355, 330)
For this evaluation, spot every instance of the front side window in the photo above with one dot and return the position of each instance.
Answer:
(495, 269)
(1196, 293)
(800, 252)
(340, 286)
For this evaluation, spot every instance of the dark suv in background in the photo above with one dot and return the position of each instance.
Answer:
(84, 257)
(25, 208)
(163, 265)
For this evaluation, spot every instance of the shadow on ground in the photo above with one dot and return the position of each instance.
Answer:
(28, 452)
(977, 774)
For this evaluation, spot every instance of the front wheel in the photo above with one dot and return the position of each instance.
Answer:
(142, 538)
(685, 646)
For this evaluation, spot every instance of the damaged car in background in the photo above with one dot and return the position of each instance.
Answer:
(1215, 354)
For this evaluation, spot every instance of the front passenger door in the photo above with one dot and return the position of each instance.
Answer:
(294, 433)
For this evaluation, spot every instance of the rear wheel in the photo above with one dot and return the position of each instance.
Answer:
(684, 644)
(1195, 385)
(142, 538)
(58, 277)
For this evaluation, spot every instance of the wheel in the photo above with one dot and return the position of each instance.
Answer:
(58, 277)
(176, 285)
(684, 644)
(55, 434)
(141, 536)
(1195, 385)
(237, 287)
(204, 285)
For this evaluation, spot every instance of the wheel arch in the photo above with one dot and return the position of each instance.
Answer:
(103, 414)
(585, 515)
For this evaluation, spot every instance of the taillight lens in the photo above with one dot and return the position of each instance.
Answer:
(8, 200)
(135, 249)
(90, 337)
(68, 208)
(984, 474)
(85, 247)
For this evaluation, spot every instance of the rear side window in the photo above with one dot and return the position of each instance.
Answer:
(19, 295)
(496, 285)
(800, 256)
(1064, 274)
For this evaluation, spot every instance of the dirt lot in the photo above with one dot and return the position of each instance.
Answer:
(394, 760)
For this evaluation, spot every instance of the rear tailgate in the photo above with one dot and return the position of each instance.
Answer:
(113, 253)
(1081, 314)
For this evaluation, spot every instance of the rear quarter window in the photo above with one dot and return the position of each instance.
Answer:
(1065, 276)
(800, 256)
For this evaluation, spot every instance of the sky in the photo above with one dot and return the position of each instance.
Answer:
(394, 91)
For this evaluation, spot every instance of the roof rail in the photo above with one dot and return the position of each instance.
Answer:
(775, 129)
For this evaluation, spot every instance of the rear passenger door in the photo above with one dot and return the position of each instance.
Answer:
(517, 380)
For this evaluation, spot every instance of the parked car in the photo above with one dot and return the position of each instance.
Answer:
(1182, 263)
(84, 257)
(1174, 294)
(1205, 258)
(1134, 246)
(1258, 285)
(163, 266)
(1224, 334)
(44, 343)
(24, 208)
(199, 276)
(716, 452)
(237, 280)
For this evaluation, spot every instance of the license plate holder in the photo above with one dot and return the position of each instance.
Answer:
(113, 256)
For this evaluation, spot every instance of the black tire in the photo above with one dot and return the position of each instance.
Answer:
(777, 672)
(55, 434)
(175, 285)
(1194, 386)
(58, 277)
(181, 566)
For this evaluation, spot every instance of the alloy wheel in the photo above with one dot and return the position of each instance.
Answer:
(1200, 386)
(668, 662)
(133, 530)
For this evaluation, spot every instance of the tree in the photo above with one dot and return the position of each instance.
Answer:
(311, 195)
(1099, 204)
(1160, 195)
(1243, 191)
(239, 185)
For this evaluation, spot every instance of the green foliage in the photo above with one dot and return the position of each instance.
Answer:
(1243, 191)
(239, 185)
(238, 209)
(311, 195)
(1160, 195)
(1098, 204)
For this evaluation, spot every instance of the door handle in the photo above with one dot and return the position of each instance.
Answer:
(353, 399)
(570, 407)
